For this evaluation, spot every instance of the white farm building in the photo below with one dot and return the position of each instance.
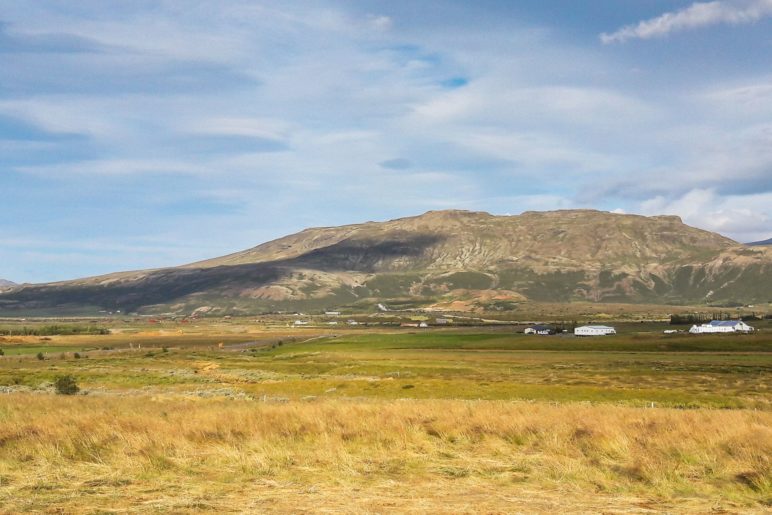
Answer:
(594, 330)
(539, 329)
(722, 326)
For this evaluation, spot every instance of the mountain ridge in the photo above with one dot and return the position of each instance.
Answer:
(436, 257)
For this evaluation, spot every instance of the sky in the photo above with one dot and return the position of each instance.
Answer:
(141, 134)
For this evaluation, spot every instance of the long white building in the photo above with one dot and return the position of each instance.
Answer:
(722, 326)
(594, 330)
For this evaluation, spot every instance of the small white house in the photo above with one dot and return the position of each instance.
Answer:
(722, 326)
(594, 330)
(539, 329)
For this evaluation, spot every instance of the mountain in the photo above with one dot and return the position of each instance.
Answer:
(6, 284)
(435, 258)
(760, 243)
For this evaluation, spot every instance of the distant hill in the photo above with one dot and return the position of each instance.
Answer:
(760, 243)
(6, 284)
(441, 258)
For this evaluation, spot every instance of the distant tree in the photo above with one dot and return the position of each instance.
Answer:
(693, 318)
(40, 356)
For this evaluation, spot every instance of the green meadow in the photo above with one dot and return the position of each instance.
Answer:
(637, 368)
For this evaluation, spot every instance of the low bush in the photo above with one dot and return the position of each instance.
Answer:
(66, 385)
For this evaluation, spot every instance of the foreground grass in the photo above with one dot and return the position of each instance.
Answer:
(141, 454)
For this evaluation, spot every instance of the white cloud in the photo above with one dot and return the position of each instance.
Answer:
(60, 115)
(744, 218)
(497, 98)
(380, 22)
(239, 126)
(574, 128)
(115, 167)
(697, 15)
(752, 100)
(532, 150)
(721, 153)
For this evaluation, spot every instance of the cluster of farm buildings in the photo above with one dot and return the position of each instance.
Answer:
(585, 330)
(722, 326)
(715, 326)
(707, 327)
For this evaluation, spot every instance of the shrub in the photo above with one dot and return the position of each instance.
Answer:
(66, 385)
(76, 355)
(40, 356)
(2, 353)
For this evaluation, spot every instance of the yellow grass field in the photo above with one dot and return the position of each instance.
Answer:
(130, 454)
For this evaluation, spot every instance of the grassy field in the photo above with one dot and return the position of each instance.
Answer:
(98, 454)
(236, 416)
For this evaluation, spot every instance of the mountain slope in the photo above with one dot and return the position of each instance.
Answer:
(761, 243)
(437, 256)
(6, 284)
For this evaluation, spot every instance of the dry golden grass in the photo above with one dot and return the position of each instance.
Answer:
(170, 454)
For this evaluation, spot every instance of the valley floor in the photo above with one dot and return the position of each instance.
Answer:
(256, 420)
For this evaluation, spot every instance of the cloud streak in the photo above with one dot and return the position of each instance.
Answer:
(697, 15)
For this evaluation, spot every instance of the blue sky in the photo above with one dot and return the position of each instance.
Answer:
(141, 134)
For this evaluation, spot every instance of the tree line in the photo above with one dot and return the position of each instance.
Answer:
(52, 330)
(704, 318)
